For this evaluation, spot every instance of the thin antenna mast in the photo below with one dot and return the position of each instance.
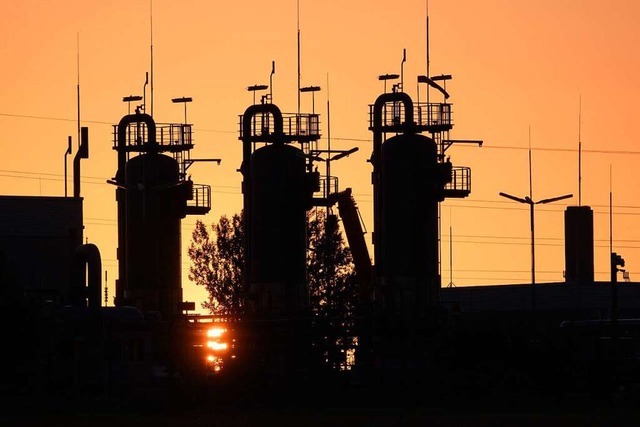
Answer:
(299, 75)
(78, 82)
(151, 39)
(610, 210)
(580, 153)
(451, 284)
(327, 189)
(533, 234)
(530, 172)
(428, 59)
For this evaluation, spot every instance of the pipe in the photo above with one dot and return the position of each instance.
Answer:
(122, 135)
(377, 115)
(83, 153)
(66, 153)
(86, 287)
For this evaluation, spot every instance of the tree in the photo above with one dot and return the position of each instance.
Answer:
(217, 265)
(332, 286)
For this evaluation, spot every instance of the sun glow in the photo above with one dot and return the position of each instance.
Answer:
(216, 332)
(217, 346)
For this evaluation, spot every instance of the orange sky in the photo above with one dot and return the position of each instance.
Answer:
(515, 64)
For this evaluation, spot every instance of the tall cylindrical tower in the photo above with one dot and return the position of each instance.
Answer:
(155, 207)
(410, 189)
(279, 201)
(578, 244)
(153, 195)
(411, 176)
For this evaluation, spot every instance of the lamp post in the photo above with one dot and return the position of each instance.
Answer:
(256, 88)
(528, 201)
(313, 90)
(129, 99)
(385, 77)
(184, 100)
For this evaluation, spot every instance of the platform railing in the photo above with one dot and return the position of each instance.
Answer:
(201, 196)
(170, 136)
(460, 179)
(328, 185)
(303, 126)
(431, 115)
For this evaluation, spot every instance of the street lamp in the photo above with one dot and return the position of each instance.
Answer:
(385, 77)
(528, 201)
(129, 99)
(313, 90)
(255, 88)
(184, 100)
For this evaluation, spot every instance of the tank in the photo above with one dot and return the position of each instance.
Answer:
(152, 236)
(279, 200)
(410, 188)
(578, 241)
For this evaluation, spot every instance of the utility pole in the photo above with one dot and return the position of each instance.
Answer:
(527, 200)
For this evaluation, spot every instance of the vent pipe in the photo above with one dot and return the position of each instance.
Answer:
(87, 272)
(83, 153)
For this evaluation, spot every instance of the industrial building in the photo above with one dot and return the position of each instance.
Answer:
(408, 331)
(39, 254)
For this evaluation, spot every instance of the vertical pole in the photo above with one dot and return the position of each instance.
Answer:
(610, 211)
(78, 86)
(580, 154)
(450, 254)
(428, 60)
(298, 25)
(66, 153)
(328, 182)
(273, 71)
(614, 287)
(530, 171)
(533, 234)
(533, 257)
(151, 50)
(404, 59)
(614, 267)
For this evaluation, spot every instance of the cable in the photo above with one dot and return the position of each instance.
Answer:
(484, 146)
(59, 119)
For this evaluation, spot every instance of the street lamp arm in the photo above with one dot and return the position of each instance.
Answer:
(554, 199)
(433, 84)
(514, 198)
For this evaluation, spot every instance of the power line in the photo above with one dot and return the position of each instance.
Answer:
(58, 119)
(485, 146)
(564, 150)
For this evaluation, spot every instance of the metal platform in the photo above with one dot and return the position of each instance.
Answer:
(432, 117)
(460, 185)
(301, 127)
(200, 202)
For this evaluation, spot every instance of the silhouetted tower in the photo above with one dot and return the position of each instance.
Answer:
(153, 195)
(410, 177)
(578, 230)
(578, 241)
(278, 186)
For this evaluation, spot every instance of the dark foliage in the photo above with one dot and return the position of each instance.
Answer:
(217, 264)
